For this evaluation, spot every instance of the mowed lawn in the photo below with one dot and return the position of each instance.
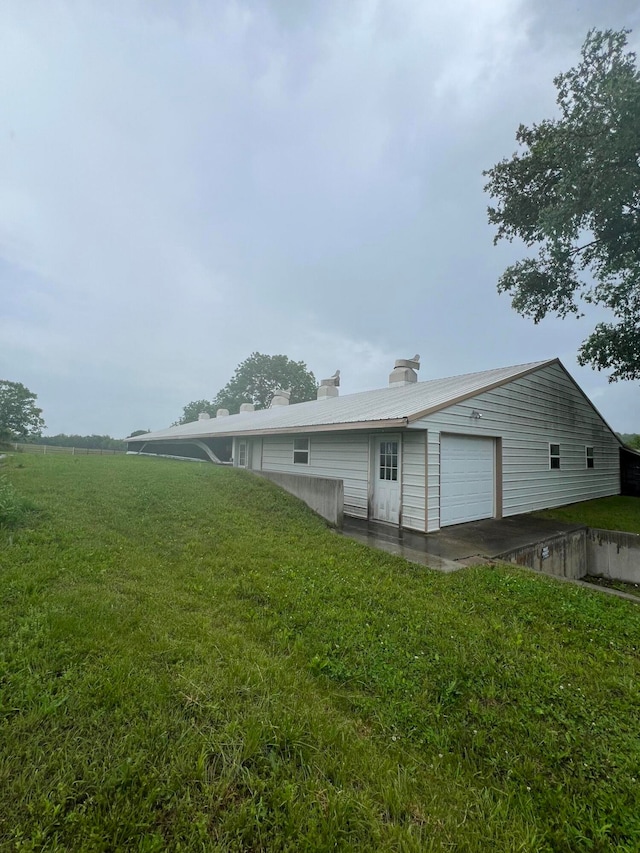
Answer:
(617, 512)
(191, 660)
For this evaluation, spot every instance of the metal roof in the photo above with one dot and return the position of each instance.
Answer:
(379, 409)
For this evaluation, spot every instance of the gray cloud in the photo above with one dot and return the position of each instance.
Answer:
(186, 183)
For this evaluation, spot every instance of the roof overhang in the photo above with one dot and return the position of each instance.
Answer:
(247, 428)
(389, 423)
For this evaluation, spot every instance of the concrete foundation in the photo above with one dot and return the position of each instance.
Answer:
(613, 555)
(580, 553)
(564, 556)
(323, 495)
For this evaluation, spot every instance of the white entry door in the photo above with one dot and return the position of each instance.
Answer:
(467, 468)
(386, 486)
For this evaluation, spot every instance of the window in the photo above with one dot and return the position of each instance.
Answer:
(301, 451)
(554, 456)
(388, 460)
(590, 460)
(242, 454)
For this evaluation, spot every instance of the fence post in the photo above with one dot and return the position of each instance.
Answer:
(44, 449)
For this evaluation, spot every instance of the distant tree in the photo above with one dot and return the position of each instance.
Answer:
(192, 410)
(90, 442)
(258, 376)
(574, 191)
(138, 432)
(19, 415)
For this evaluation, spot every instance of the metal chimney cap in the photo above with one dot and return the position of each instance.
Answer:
(413, 363)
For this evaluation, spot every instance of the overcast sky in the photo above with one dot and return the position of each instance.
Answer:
(183, 183)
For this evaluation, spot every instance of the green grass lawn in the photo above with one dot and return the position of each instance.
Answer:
(191, 660)
(613, 513)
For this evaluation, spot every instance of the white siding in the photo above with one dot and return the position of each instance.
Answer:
(433, 483)
(256, 454)
(529, 413)
(413, 480)
(344, 456)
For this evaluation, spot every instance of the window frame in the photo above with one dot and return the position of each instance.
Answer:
(589, 458)
(242, 446)
(554, 457)
(388, 460)
(301, 455)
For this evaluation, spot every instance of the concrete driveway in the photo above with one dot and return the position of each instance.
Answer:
(462, 545)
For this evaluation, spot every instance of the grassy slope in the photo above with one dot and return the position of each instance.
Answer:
(190, 660)
(614, 513)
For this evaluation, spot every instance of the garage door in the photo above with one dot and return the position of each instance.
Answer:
(466, 478)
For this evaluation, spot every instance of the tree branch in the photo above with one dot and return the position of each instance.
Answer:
(577, 249)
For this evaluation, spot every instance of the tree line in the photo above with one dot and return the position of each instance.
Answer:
(89, 442)
(254, 381)
(21, 420)
(631, 439)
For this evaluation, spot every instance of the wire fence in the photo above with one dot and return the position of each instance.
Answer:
(45, 449)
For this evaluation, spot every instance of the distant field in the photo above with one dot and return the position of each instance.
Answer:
(190, 660)
(613, 513)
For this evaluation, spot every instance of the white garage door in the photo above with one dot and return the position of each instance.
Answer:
(466, 478)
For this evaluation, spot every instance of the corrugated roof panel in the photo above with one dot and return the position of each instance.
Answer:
(366, 407)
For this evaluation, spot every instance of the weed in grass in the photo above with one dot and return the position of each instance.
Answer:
(13, 508)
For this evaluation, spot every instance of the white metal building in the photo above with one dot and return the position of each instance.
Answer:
(424, 455)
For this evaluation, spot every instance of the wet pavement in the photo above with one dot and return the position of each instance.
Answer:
(453, 548)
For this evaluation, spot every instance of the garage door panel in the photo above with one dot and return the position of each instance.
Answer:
(466, 479)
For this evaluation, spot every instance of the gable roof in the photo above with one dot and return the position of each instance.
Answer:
(379, 409)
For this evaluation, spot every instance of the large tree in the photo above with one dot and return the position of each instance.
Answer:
(573, 191)
(19, 415)
(254, 381)
(258, 376)
(191, 411)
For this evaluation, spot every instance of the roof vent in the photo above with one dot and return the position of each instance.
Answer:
(280, 397)
(404, 372)
(247, 407)
(329, 387)
(204, 416)
(222, 413)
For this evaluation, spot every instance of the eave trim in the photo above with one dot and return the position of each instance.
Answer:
(389, 423)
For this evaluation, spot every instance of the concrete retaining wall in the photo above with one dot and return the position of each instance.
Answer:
(614, 555)
(324, 495)
(587, 551)
(563, 556)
